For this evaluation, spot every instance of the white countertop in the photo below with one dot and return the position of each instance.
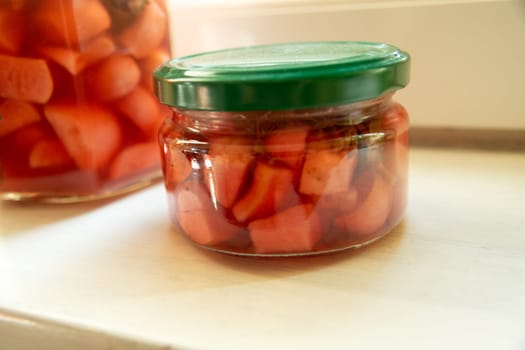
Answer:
(113, 275)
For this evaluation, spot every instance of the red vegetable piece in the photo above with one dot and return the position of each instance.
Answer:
(135, 159)
(141, 107)
(24, 138)
(76, 60)
(198, 218)
(15, 115)
(175, 165)
(372, 212)
(26, 79)
(149, 63)
(90, 134)
(294, 230)
(271, 190)
(327, 172)
(287, 145)
(146, 33)
(11, 31)
(67, 22)
(114, 77)
(16, 163)
(49, 153)
(226, 167)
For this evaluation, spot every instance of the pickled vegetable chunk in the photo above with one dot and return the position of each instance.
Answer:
(149, 63)
(135, 159)
(293, 230)
(146, 33)
(76, 60)
(16, 114)
(287, 146)
(141, 107)
(226, 167)
(78, 126)
(11, 31)
(69, 22)
(271, 191)
(49, 153)
(176, 166)
(327, 172)
(26, 79)
(114, 77)
(198, 218)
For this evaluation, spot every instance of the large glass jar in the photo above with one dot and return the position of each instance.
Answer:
(78, 115)
(288, 149)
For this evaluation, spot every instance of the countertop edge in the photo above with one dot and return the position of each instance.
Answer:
(25, 330)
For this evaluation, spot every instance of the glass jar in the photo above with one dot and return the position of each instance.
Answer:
(79, 117)
(286, 149)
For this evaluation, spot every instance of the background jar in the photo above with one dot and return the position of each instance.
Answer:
(79, 118)
(287, 149)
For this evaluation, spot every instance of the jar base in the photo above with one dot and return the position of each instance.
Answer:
(297, 254)
(69, 198)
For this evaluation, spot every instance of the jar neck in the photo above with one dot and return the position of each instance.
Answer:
(259, 123)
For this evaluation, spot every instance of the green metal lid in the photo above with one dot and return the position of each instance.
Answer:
(282, 76)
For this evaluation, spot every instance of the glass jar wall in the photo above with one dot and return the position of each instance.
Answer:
(287, 182)
(79, 118)
(285, 149)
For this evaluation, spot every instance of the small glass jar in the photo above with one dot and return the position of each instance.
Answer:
(285, 149)
(79, 119)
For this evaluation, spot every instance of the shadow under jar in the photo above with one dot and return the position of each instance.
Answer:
(79, 119)
(286, 149)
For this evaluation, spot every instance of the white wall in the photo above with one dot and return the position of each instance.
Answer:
(468, 65)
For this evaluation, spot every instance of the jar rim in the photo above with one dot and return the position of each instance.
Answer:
(282, 76)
